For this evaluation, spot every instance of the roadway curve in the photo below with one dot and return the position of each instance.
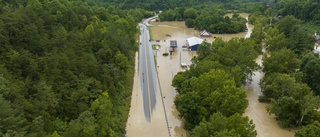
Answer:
(147, 71)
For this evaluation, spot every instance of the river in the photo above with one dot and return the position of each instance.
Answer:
(167, 67)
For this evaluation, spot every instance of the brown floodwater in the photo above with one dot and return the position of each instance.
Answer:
(137, 125)
(169, 66)
(266, 125)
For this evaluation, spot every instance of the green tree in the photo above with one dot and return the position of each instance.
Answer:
(84, 126)
(283, 61)
(258, 33)
(277, 85)
(285, 111)
(168, 15)
(254, 17)
(190, 13)
(37, 127)
(12, 121)
(212, 92)
(58, 56)
(54, 134)
(299, 41)
(182, 82)
(311, 71)
(121, 61)
(221, 126)
(275, 40)
(287, 25)
(290, 110)
(189, 23)
(311, 130)
(241, 53)
(102, 111)
(227, 133)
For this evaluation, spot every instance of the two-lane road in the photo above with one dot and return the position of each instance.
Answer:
(147, 118)
(147, 72)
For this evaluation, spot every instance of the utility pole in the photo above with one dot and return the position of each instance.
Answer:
(180, 57)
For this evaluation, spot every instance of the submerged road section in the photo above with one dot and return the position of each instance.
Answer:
(147, 71)
(146, 116)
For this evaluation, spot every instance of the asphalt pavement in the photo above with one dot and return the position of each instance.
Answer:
(147, 71)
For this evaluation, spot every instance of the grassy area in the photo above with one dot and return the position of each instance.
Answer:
(150, 32)
(165, 54)
(155, 60)
(154, 47)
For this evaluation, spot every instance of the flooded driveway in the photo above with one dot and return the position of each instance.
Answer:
(166, 116)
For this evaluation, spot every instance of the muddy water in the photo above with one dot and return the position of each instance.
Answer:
(180, 31)
(266, 125)
(137, 125)
(170, 66)
(167, 68)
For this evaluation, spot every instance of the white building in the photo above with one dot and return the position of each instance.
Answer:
(193, 43)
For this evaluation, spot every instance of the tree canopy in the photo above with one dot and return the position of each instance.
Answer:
(66, 67)
(212, 85)
(312, 130)
(212, 19)
(220, 126)
(289, 76)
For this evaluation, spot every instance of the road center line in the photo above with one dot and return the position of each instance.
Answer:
(147, 78)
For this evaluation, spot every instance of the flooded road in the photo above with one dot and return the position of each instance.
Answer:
(266, 125)
(169, 66)
(137, 125)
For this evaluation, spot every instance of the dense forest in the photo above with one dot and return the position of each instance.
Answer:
(154, 5)
(66, 67)
(291, 69)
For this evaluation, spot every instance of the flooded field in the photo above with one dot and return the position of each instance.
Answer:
(180, 32)
(167, 67)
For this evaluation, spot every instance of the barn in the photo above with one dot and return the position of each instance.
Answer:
(193, 43)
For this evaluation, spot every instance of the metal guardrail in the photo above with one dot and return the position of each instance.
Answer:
(164, 107)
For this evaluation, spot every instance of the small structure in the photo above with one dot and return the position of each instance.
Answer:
(193, 43)
(171, 50)
(173, 44)
(204, 33)
(317, 37)
(184, 65)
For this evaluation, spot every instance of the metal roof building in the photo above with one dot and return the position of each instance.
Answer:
(193, 43)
